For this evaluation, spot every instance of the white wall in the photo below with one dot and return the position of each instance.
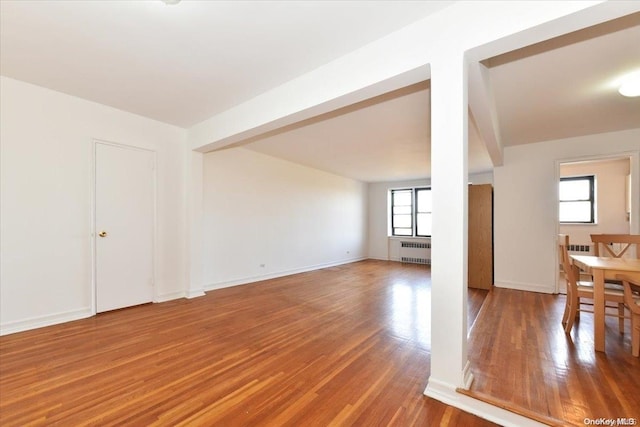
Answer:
(378, 210)
(526, 204)
(46, 142)
(291, 218)
(611, 195)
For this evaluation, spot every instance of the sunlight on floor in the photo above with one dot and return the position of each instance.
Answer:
(409, 313)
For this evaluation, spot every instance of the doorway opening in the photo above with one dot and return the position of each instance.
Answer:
(594, 197)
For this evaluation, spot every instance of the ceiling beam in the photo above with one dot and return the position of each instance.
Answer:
(294, 102)
(483, 108)
(403, 58)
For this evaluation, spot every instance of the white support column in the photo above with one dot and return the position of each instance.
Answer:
(449, 176)
(194, 244)
(449, 189)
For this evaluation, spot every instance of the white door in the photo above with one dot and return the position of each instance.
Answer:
(124, 220)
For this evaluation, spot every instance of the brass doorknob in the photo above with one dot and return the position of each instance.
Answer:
(102, 234)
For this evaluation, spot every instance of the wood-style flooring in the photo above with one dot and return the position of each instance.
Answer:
(521, 358)
(340, 346)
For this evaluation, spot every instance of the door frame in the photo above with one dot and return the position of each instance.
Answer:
(634, 170)
(154, 254)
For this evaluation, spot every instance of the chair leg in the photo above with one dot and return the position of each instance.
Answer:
(574, 302)
(635, 335)
(621, 317)
(565, 315)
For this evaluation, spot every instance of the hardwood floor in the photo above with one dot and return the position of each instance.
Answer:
(522, 358)
(341, 346)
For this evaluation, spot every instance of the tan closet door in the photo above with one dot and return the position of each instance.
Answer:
(481, 236)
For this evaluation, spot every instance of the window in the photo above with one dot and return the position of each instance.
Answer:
(423, 212)
(402, 212)
(577, 199)
(411, 212)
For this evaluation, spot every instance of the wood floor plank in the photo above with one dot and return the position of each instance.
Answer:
(346, 345)
(521, 357)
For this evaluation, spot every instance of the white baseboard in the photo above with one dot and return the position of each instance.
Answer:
(251, 279)
(194, 293)
(69, 316)
(379, 258)
(530, 287)
(170, 296)
(447, 394)
(42, 321)
(467, 376)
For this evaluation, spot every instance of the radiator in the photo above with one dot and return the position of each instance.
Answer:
(415, 252)
(580, 249)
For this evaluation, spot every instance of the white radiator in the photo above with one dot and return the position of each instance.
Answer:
(580, 249)
(415, 252)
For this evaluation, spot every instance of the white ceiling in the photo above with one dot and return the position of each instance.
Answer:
(182, 64)
(568, 86)
(381, 139)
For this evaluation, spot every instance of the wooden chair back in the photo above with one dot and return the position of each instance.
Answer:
(631, 292)
(567, 265)
(625, 241)
(632, 299)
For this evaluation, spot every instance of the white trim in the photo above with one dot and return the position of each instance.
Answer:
(169, 297)
(42, 321)
(529, 287)
(92, 224)
(379, 258)
(251, 279)
(194, 293)
(447, 394)
(416, 238)
(467, 376)
(154, 237)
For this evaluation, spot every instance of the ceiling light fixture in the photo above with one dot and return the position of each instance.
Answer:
(170, 1)
(630, 85)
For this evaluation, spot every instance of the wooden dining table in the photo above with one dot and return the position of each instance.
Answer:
(604, 268)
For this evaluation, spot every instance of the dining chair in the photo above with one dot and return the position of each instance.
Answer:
(579, 291)
(606, 242)
(623, 243)
(632, 300)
